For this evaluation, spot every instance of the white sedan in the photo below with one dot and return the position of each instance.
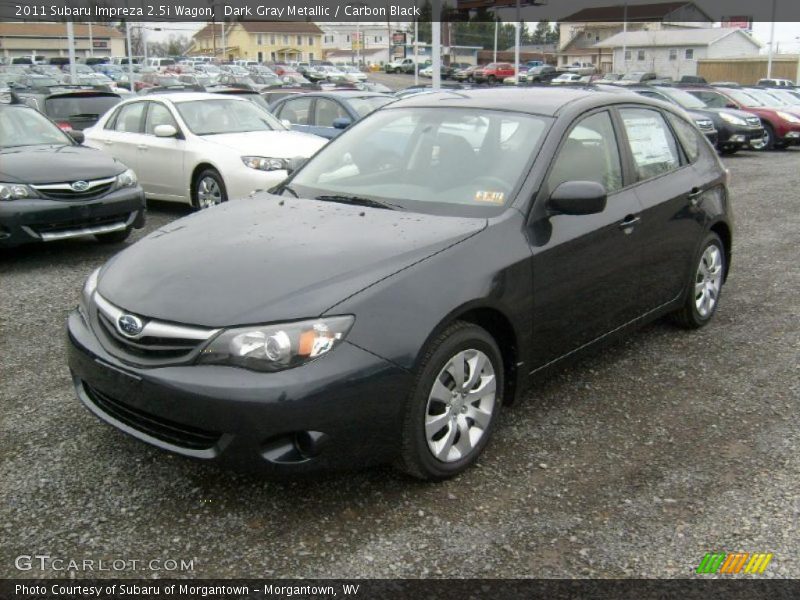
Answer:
(200, 148)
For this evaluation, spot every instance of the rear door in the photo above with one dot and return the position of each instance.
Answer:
(585, 267)
(122, 133)
(668, 187)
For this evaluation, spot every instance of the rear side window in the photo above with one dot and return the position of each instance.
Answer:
(689, 137)
(590, 153)
(654, 150)
(297, 111)
(129, 119)
(327, 111)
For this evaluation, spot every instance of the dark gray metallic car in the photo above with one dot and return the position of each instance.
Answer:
(383, 306)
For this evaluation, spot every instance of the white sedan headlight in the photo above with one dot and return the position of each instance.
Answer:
(732, 119)
(263, 163)
(277, 347)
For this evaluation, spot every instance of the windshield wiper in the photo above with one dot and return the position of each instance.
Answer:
(280, 188)
(359, 201)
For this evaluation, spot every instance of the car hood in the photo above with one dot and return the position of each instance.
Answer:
(273, 144)
(56, 164)
(267, 258)
(741, 114)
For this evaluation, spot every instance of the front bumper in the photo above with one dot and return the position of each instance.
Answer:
(245, 180)
(42, 220)
(344, 410)
(738, 136)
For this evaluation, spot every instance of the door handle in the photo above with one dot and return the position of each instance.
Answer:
(629, 222)
(142, 147)
(695, 195)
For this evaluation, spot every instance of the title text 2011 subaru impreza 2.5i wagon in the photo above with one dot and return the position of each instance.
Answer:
(384, 302)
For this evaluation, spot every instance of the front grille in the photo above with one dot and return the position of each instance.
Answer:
(157, 344)
(65, 191)
(185, 436)
(753, 121)
(78, 224)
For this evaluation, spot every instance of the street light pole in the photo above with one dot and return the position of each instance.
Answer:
(71, 52)
(771, 41)
(436, 45)
(130, 55)
(91, 40)
(517, 32)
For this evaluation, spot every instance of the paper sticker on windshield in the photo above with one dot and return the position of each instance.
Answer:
(490, 196)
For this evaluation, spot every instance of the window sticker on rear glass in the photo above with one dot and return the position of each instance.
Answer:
(490, 196)
(648, 141)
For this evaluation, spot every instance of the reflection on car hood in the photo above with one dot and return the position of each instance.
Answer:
(741, 114)
(273, 144)
(56, 164)
(267, 258)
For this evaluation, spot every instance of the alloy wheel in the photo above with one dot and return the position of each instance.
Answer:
(708, 281)
(762, 143)
(460, 405)
(208, 192)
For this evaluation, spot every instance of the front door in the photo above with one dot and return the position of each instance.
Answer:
(161, 158)
(585, 267)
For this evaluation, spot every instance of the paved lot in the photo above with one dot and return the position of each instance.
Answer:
(634, 462)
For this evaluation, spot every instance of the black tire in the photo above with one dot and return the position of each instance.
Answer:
(492, 79)
(769, 139)
(115, 237)
(688, 316)
(397, 71)
(197, 202)
(728, 150)
(416, 457)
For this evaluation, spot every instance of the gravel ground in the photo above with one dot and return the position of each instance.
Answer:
(634, 462)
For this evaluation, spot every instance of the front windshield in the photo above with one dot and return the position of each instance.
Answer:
(743, 98)
(211, 117)
(684, 99)
(766, 98)
(366, 105)
(26, 127)
(449, 160)
(786, 97)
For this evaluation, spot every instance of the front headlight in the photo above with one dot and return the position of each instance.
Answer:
(788, 117)
(732, 119)
(16, 191)
(86, 294)
(262, 163)
(276, 347)
(126, 179)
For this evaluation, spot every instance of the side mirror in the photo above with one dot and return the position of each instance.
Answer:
(165, 131)
(342, 122)
(286, 123)
(577, 198)
(77, 136)
(295, 163)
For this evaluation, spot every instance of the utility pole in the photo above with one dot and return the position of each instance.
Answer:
(416, 39)
(224, 42)
(91, 40)
(624, 38)
(71, 52)
(496, 28)
(143, 32)
(771, 40)
(517, 31)
(436, 45)
(130, 54)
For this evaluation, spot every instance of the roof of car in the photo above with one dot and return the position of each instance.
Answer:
(345, 93)
(178, 97)
(535, 100)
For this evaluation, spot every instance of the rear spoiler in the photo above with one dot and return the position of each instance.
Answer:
(168, 89)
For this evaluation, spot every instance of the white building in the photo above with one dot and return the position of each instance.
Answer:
(674, 53)
(347, 41)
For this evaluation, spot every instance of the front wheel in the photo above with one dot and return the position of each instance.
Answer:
(208, 190)
(705, 286)
(454, 403)
(767, 141)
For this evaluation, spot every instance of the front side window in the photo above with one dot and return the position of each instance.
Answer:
(590, 153)
(652, 145)
(441, 160)
(129, 119)
(158, 115)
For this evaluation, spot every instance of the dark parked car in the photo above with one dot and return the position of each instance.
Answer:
(71, 106)
(52, 188)
(543, 74)
(726, 128)
(384, 308)
(328, 113)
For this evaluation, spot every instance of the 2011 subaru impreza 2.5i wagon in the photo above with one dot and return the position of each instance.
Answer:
(384, 302)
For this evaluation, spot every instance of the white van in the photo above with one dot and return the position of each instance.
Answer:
(161, 63)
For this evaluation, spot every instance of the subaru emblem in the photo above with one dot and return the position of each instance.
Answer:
(129, 325)
(80, 186)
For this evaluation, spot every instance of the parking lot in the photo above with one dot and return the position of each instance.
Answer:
(634, 462)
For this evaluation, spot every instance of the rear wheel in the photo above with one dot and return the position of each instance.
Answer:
(492, 79)
(208, 190)
(454, 404)
(705, 286)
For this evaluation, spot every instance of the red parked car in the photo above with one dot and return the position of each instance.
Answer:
(781, 124)
(493, 72)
